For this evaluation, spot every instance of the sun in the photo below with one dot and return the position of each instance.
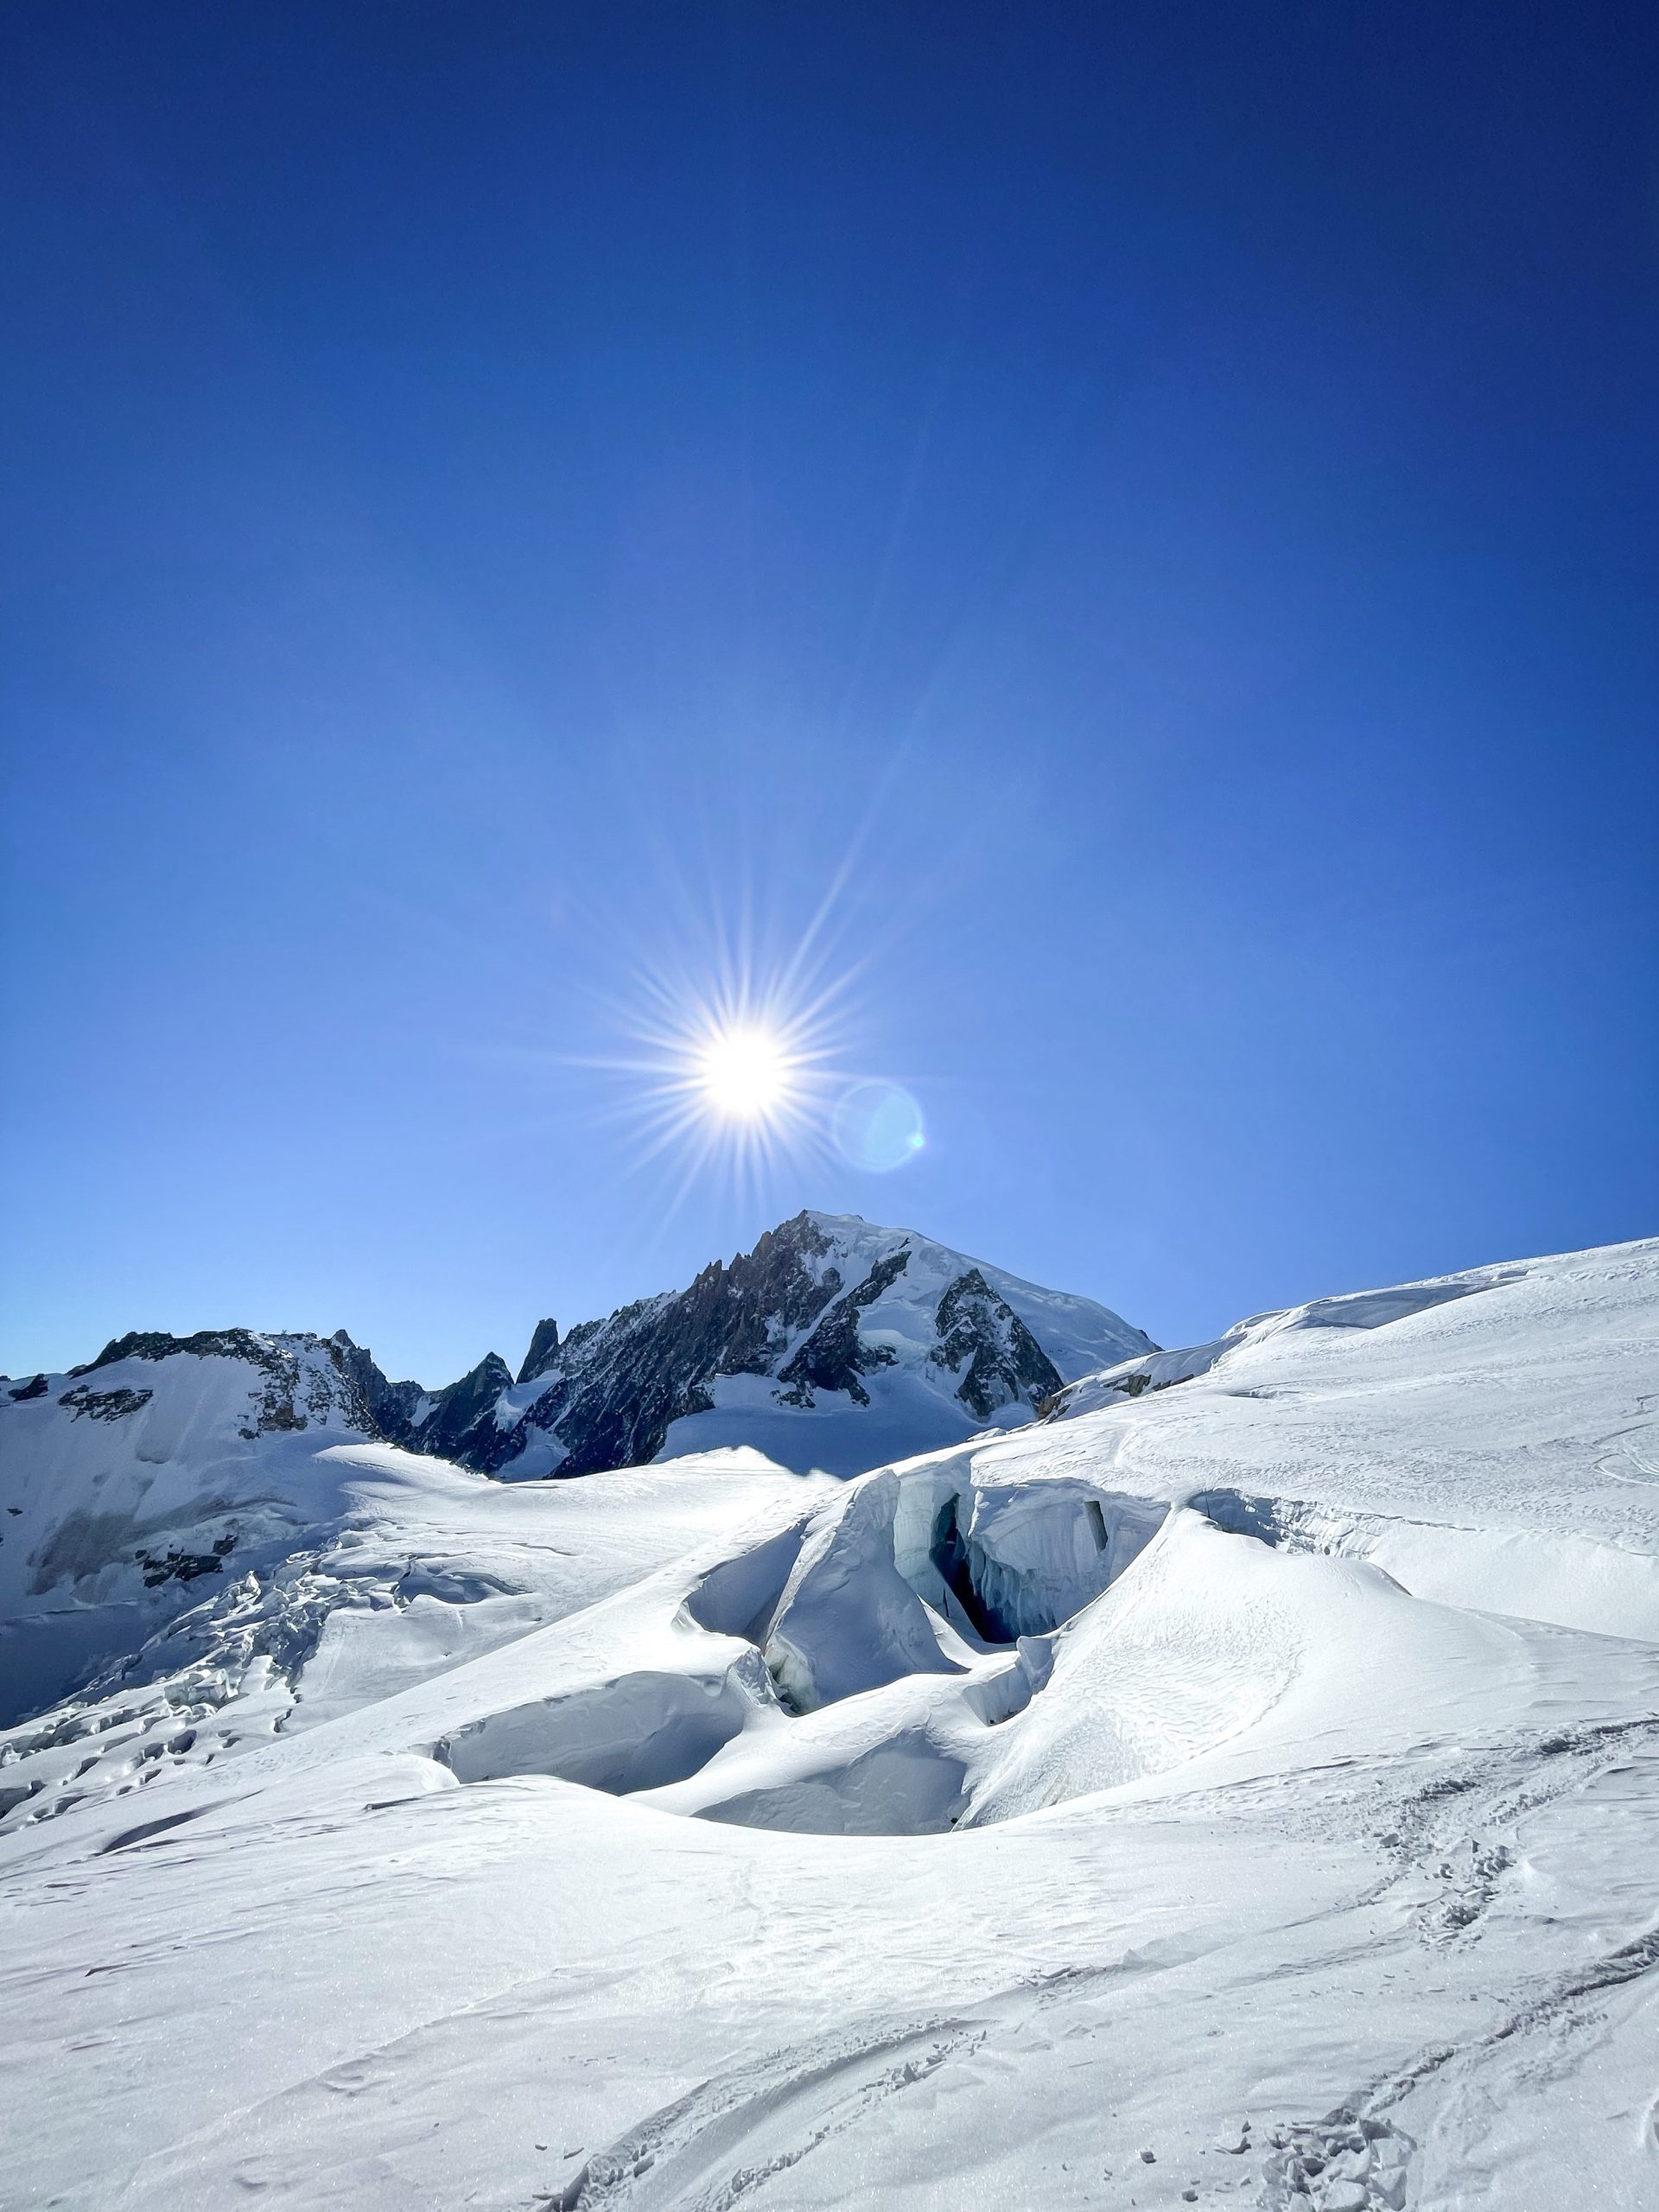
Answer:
(734, 1061)
(743, 1071)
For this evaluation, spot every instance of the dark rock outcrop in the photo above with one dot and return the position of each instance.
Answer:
(206, 1344)
(834, 1355)
(614, 1386)
(1004, 1361)
(388, 1408)
(543, 1344)
(105, 1405)
(462, 1423)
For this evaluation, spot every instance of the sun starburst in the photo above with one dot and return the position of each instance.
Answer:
(736, 1062)
(734, 1077)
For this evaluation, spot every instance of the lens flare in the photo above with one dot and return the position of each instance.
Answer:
(878, 1126)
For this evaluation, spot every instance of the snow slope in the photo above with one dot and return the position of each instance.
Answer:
(130, 1487)
(1240, 1792)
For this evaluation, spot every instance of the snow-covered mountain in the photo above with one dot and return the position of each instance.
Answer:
(1239, 1786)
(833, 1343)
(889, 1342)
(167, 1467)
(171, 1463)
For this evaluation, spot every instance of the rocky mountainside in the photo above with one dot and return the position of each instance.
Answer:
(892, 1342)
(828, 1316)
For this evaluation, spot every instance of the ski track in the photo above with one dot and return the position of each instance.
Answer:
(775, 2113)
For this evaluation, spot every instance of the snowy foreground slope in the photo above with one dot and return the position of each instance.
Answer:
(1242, 1788)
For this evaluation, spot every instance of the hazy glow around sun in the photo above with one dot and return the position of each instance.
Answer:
(736, 1070)
(743, 1070)
(738, 1058)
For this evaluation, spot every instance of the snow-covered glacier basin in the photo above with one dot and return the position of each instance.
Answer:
(1241, 1788)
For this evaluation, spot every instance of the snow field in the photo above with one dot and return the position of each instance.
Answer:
(1241, 1791)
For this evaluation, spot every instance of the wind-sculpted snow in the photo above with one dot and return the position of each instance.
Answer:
(848, 1620)
(635, 1733)
(1492, 1438)
(1241, 1787)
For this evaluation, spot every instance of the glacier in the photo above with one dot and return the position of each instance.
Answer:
(1236, 1784)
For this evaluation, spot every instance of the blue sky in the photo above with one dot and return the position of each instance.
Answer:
(1140, 518)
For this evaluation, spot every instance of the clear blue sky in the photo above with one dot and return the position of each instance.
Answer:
(1149, 509)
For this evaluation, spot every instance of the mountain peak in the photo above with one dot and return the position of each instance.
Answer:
(891, 1342)
(544, 1343)
(834, 1343)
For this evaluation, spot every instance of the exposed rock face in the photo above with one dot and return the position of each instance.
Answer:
(614, 1387)
(1004, 1361)
(390, 1409)
(460, 1423)
(544, 1343)
(834, 1355)
(105, 1405)
(297, 1386)
(156, 1343)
